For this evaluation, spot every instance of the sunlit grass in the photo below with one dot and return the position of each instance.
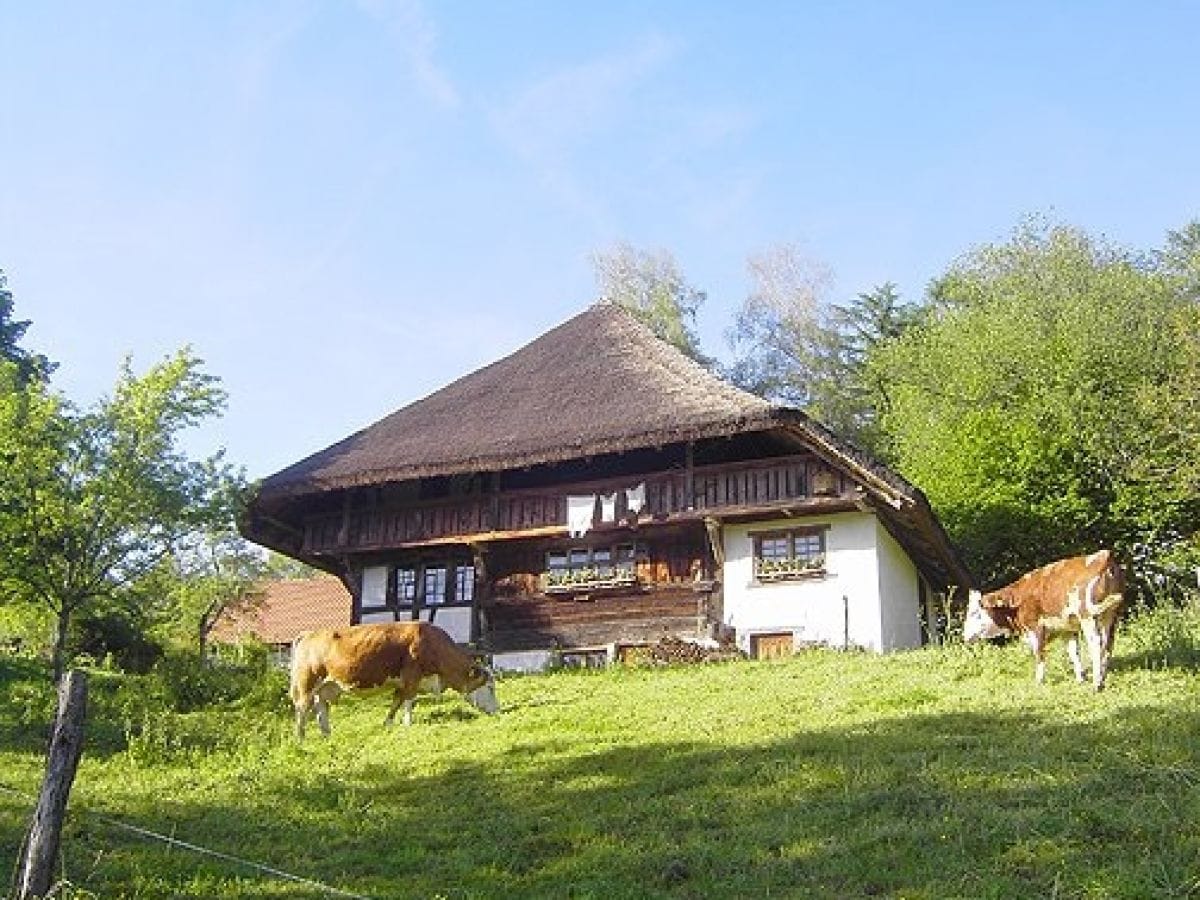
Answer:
(938, 773)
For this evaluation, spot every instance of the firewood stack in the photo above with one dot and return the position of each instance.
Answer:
(671, 650)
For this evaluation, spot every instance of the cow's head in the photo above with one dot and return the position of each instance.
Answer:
(980, 624)
(480, 689)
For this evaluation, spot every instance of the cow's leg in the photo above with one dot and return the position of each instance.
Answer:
(1073, 652)
(405, 691)
(303, 708)
(324, 695)
(1037, 643)
(1095, 632)
(398, 700)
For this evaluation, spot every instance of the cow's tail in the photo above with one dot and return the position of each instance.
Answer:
(1105, 592)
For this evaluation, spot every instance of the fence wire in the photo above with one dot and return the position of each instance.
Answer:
(195, 848)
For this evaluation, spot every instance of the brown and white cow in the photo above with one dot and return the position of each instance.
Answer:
(414, 656)
(1067, 597)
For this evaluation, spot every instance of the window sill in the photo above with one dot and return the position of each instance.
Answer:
(598, 584)
(765, 578)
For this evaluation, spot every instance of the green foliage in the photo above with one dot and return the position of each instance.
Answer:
(1165, 636)
(114, 636)
(92, 501)
(30, 366)
(1028, 404)
(189, 683)
(651, 286)
(793, 344)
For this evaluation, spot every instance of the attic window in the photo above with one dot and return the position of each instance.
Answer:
(791, 554)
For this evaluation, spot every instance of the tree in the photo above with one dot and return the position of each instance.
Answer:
(30, 366)
(1180, 259)
(1024, 404)
(652, 287)
(92, 501)
(780, 342)
(794, 345)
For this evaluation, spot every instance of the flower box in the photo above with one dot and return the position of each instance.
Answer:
(581, 580)
(766, 570)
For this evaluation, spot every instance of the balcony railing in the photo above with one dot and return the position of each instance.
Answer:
(707, 489)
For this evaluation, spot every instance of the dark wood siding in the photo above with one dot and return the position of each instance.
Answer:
(717, 488)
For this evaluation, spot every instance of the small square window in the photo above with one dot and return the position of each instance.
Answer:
(435, 585)
(786, 555)
(406, 586)
(464, 584)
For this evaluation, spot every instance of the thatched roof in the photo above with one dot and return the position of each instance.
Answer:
(599, 383)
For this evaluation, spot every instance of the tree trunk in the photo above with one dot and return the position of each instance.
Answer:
(59, 653)
(66, 745)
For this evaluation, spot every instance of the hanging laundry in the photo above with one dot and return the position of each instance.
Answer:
(580, 511)
(608, 507)
(635, 499)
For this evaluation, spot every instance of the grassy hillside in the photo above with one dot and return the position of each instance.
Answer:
(938, 773)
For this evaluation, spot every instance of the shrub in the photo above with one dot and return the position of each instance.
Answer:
(1165, 636)
(190, 683)
(112, 636)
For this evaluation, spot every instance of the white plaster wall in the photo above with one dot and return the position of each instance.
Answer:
(525, 661)
(374, 586)
(899, 591)
(454, 620)
(385, 616)
(812, 609)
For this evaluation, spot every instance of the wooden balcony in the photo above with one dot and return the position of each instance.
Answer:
(529, 512)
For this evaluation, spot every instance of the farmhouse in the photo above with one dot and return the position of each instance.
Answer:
(598, 488)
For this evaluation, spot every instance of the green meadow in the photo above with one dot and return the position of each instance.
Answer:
(944, 772)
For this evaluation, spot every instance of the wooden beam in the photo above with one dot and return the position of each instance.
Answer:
(715, 543)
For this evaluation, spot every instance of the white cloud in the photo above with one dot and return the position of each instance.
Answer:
(548, 118)
(551, 123)
(410, 26)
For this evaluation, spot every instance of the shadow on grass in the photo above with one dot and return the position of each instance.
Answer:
(926, 805)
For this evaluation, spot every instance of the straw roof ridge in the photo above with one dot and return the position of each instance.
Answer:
(600, 382)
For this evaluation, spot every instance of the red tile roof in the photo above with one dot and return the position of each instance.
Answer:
(279, 610)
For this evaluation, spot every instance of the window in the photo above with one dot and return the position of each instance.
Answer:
(464, 584)
(585, 567)
(406, 587)
(784, 555)
(435, 585)
(626, 558)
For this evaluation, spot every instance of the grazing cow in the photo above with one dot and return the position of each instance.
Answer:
(1081, 594)
(414, 656)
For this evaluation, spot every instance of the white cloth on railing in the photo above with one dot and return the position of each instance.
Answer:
(608, 507)
(579, 514)
(635, 498)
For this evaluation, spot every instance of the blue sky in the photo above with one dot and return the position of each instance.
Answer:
(343, 206)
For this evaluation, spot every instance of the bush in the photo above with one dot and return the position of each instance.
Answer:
(1165, 636)
(25, 629)
(112, 636)
(189, 683)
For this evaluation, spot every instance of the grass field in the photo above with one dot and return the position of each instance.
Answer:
(936, 773)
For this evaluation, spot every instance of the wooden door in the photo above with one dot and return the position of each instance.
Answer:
(772, 646)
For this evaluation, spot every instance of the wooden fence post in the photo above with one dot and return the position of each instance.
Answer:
(66, 745)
